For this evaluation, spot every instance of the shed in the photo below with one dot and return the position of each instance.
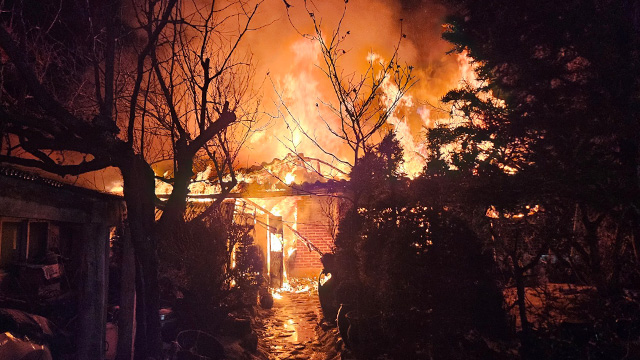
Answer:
(54, 239)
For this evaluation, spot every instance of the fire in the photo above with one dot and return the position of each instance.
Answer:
(467, 72)
(287, 209)
(297, 286)
(324, 279)
(291, 76)
(300, 89)
(289, 178)
(276, 242)
(278, 175)
(493, 213)
(414, 153)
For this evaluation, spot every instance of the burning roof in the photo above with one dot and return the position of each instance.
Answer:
(295, 173)
(290, 171)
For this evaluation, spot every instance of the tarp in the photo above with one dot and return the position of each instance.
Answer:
(32, 326)
(13, 348)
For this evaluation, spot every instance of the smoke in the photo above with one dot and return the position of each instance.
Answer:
(293, 85)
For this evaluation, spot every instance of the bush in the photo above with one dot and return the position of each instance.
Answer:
(217, 268)
(419, 268)
(424, 271)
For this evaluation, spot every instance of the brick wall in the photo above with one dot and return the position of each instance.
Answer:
(314, 226)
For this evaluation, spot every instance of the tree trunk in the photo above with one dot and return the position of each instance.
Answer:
(92, 309)
(174, 208)
(128, 295)
(595, 260)
(630, 157)
(525, 337)
(139, 194)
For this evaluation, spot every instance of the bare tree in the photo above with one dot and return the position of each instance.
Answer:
(363, 101)
(333, 209)
(200, 77)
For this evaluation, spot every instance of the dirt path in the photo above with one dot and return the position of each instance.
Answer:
(292, 329)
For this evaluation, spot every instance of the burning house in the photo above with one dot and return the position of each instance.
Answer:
(294, 206)
(293, 229)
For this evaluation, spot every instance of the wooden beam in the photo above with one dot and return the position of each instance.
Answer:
(33, 210)
(93, 292)
(126, 318)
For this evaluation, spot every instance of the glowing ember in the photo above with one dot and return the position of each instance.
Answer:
(296, 286)
(495, 214)
(324, 279)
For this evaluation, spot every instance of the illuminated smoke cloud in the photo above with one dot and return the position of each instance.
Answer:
(374, 27)
(286, 72)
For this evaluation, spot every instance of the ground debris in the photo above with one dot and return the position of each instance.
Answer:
(291, 329)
